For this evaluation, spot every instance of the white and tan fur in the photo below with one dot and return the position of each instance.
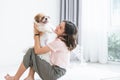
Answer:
(48, 34)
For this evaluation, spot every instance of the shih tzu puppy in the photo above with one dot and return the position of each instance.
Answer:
(47, 30)
(43, 23)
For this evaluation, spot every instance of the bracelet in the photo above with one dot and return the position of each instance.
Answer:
(36, 34)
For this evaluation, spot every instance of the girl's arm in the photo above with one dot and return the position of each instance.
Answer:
(37, 47)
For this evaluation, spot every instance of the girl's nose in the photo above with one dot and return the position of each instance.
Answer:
(57, 27)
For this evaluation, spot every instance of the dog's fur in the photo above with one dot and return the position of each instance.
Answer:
(47, 30)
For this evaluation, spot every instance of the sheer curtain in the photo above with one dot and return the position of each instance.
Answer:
(91, 17)
(95, 22)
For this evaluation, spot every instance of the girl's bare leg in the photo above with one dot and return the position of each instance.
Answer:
(19, 73)
(30, 75)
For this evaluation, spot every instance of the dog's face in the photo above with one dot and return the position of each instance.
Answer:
(41, 18)
(42, 21)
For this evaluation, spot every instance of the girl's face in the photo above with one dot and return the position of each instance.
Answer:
(60, 29)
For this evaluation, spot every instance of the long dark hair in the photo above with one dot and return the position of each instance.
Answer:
(70, 37)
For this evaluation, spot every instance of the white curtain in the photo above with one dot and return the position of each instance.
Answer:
(92, 19)
(95, 22)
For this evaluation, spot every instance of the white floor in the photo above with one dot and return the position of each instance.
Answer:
(92, 71)
(88, 71)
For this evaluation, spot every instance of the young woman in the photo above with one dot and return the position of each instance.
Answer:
(60, 54)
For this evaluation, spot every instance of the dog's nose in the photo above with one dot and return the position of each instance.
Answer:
(45, 18)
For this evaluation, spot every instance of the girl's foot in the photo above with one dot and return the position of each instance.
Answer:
(8, 77)
(29, 78)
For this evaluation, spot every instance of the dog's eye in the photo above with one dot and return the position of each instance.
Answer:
(42, 18)
(48, 16)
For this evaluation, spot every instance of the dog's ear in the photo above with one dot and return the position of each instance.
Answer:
(36, 18)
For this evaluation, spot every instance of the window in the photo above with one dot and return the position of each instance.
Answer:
(115, 12)
(114, 32)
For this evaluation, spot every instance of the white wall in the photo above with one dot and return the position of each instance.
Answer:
(16, 26)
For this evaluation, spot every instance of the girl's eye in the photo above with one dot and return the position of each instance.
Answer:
(60, 27)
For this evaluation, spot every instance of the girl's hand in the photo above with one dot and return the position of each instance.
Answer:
(35, 29)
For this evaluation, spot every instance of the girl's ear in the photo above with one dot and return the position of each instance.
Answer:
(64, 34)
